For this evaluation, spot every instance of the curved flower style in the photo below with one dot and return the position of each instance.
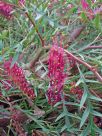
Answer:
(6, 9)
(56, 74)
(16, 74)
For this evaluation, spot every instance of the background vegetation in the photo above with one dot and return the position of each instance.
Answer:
(29, 30)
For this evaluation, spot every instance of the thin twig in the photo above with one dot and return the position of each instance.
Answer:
(93, 47)
(31, 64)
(33, 23)
(94, 93)
(91, 68)
(94, 41)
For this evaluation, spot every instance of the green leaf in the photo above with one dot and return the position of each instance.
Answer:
(63, 128)
(15, 58)
(72, 103)
(38, 68)
(1, 58)
(92, 131)
(97, 21)
(84, 17)
(51, 22)
(86, 131)
(95, 113)
(95, 98)
(83, 99)
(73, 116)
(57, 104)
(19, 48)
(4, 93)
(84, 117)
(1, 45)
(98, 130)
(38, 16)
(60, 116)
(44, 74)
(89, 1)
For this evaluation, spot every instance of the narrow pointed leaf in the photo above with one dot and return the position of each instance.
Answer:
(84, 117)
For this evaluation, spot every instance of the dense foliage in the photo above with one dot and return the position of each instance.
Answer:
(50, 68)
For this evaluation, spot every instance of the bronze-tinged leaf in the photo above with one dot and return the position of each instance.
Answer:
(75, 33)
(19, 116)
(4, 122)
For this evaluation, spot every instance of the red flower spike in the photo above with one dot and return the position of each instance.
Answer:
(6, 9)
(16, 74)
(56, 73)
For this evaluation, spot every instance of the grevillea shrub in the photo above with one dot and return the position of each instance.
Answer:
(51, 86)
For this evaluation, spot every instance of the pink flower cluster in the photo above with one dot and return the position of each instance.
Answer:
(6, 9)
(56, 74)
(87, 9)
(85, 5)
(16, 74)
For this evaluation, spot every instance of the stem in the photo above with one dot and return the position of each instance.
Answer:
(93, 47)
(33, 23)
(94, 93)
(91, 68)
(31, 64)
